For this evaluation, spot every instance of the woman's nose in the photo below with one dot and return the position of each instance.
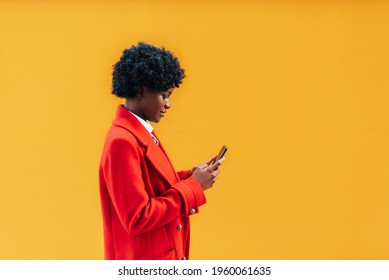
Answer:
(167, 103)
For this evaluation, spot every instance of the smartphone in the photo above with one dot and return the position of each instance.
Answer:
(221, 154)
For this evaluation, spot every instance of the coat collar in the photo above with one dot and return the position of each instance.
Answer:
(156, 154)
(129, 122)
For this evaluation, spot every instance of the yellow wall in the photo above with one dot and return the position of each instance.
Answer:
(298, 90)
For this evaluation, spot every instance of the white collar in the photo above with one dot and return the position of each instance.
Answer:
(146, 124)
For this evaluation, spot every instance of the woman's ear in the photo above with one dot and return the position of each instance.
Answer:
(140, 93)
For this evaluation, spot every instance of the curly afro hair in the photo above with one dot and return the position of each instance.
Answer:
(145, 66)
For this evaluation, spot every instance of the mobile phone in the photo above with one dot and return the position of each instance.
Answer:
(221, 154)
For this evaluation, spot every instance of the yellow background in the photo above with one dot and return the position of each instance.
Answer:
(298, 90)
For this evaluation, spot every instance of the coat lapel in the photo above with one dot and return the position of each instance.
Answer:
(161, 163)
(154, 153)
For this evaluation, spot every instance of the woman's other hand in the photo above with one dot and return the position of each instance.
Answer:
(208, 162)
(206, 174)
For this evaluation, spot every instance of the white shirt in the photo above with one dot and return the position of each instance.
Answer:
(147, 125)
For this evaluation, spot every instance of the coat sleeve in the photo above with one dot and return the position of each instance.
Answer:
(138, 212)
(183, 174)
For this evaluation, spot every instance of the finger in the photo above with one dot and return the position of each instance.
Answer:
(216, 164)
(208, 162)
(202, 166)
(216, 172)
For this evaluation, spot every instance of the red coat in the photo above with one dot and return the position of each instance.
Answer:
(145, 203)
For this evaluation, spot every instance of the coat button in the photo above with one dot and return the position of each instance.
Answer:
(183, 258)
(179, 227)
(192, 211)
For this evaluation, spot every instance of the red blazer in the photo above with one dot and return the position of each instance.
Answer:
(145, 203)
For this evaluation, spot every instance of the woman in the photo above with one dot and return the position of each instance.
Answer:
(146, 204)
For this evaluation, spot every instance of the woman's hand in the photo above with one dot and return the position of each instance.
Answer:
(208, 162)
(206, 174)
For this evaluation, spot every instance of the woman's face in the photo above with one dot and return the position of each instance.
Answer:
(154, 104)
